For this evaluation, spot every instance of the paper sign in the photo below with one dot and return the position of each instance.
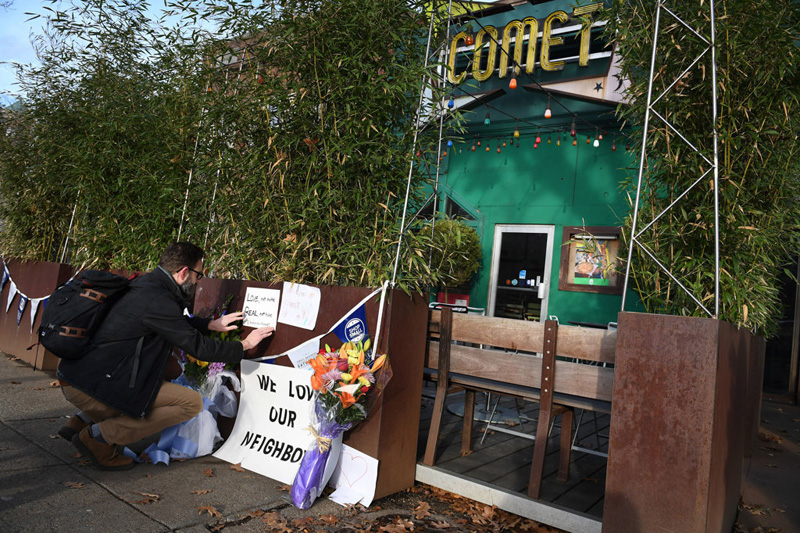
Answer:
(301, 355)
(261, 307)
(270, 436)
(356, 474)
(300, 305)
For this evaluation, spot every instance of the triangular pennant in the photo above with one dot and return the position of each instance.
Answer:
(12, 291)
(34, 307)
(6, 275)
(354, 327)
(23, 301)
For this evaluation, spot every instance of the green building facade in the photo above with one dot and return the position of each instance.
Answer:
(522, 195)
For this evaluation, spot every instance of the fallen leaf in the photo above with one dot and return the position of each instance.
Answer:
(84, 462)
(16, 382)
(38, 388)
(206, 491)
(439, 525)
(286, 488)
(329, 519)
(766, 437)
(208, 473)
(53, 384)
(74, 484)
(301, 522)
(237, 467)
(148, 498)
(465, 453)
(210, 510)
(77, 455)
(273, 519)
(423, 510)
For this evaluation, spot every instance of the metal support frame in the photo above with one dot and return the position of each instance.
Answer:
(713, 161)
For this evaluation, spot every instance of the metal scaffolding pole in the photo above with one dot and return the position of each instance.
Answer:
(713, 161)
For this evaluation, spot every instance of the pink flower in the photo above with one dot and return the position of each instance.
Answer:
(332, 375)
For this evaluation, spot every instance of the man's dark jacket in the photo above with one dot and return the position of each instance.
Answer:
(151, 310)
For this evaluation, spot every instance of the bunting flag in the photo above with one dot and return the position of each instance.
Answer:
(12, 291)
(354, 326)
(23, 301)
(6, 275)
(351, 328)
(35, 307)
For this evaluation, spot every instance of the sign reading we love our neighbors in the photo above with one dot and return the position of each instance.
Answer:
(270, 436)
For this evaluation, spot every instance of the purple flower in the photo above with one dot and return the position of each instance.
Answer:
(215, 368)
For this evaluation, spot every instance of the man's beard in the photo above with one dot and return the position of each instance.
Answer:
(188, 288)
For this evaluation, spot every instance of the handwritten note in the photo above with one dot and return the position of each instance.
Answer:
(300, 305)
(261, 307)
(355, 478)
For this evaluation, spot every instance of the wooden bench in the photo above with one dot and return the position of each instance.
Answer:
(482, 360)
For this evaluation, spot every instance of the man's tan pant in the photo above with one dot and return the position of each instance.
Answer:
(174, 404)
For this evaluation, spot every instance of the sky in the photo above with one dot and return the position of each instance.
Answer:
(15, 43)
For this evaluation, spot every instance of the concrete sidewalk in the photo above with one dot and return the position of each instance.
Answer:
(46, 486)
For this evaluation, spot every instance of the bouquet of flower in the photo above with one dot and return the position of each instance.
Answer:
(347, 384)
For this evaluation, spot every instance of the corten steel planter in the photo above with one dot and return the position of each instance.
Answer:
(390, 432)
(35, 279)
(685, 410)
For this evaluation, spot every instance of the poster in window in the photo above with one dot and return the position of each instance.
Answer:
(589, 261)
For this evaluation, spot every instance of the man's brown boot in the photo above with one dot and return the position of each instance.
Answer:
(74, 425)
(105, 456)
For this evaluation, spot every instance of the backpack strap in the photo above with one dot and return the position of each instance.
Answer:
(136, 357)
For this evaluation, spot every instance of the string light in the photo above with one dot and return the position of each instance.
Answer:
(558, 141)
(516, 130)
(549, 139)
(574, 142)
(538, 137)
(487, 121)
(614, 143)
(597, 139)
(469, 40)
(451, 103)
(498, 146)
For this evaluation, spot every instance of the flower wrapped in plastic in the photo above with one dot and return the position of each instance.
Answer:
(347, 383)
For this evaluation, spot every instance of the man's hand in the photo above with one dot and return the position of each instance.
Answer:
(224, 323)
(256, 336)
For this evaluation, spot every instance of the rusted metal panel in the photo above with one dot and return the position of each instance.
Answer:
(679, 423)
(390, 432)
(35, 279)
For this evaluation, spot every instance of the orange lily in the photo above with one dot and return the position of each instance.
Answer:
(378, 363)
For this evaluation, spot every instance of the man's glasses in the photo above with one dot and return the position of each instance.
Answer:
(199, 274)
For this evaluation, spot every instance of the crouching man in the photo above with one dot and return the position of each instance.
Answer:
(119, 384)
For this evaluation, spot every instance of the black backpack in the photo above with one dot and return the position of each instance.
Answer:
(76, 309)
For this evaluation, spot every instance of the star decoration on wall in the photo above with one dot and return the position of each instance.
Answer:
(598, 86)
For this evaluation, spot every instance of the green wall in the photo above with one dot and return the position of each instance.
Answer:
(552, 185)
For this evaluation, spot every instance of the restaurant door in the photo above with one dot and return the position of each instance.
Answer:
(521, 263)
